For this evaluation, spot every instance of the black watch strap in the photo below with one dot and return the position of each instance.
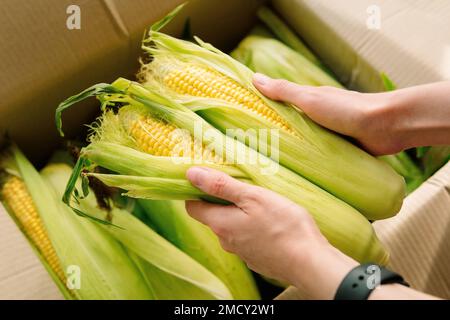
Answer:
(359, 283)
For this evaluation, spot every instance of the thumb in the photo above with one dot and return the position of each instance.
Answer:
(282, 90)
(217, 183)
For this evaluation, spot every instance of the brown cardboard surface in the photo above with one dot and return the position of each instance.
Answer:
(418, 238)
(42, 62)
(412, 45)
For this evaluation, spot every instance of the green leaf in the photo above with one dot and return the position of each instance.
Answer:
(146, 243)
(389, 85)
(187, 31)
(198, 241)
(93, 91)
(71, 191)
(421, 151)
(169, 17)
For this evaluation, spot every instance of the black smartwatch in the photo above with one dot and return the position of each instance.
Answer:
(359, 283)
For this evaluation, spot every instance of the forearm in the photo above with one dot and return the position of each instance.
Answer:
(420, 115)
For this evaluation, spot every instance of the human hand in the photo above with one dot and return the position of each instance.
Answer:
(365, 117)
(273, 235)
(383, 123)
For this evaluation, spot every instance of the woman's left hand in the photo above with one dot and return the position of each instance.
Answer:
(273, 235)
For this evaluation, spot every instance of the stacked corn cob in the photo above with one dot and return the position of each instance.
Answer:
(114, 263)
(17, 199)
(147, 172)
(150, 134)
(289, 58)
(220, 90)
(155, 126)
(62, 240)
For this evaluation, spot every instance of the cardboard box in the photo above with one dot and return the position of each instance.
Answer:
(43, 62)
(408, 40)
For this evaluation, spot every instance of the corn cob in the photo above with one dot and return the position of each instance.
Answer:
(200, 81)
(263, 54)
(266, 55)
(16, 197)
(269, 56)
(114, 263)
(75, 242)
(285, 34)
(147, 176)
(159, 138)
(220, 90)
(166, 270)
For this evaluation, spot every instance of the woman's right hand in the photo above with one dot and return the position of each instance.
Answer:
(383, 123)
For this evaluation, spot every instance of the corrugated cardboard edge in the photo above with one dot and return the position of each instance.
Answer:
(411, 44)
(42, 62)
(412, 48)
(418, 239)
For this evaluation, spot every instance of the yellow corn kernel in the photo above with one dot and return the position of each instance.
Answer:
(158, 138)
(199, 81)
(16, 197)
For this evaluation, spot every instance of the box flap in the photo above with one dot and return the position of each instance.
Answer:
(418, 238)
(42, 62)
(412, 44)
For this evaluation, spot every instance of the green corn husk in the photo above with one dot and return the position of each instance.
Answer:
(173, 222)
(285, 34)
(319, 155)
(269, 56)
(405, 166)
(421, 151)
(167, 287)
(168, 272)
(343, 226)
(273, 58)
(435, 158)
(106, 270)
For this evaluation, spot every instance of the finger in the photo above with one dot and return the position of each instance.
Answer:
(217, 183)
(221, 219)
(283, 90)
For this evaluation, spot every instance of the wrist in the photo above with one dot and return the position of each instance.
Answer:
(415, 117)
(382, 123)
(401, 111)
(319, 270)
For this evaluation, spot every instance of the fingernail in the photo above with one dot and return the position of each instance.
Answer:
(260, 79)
(197, 175)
